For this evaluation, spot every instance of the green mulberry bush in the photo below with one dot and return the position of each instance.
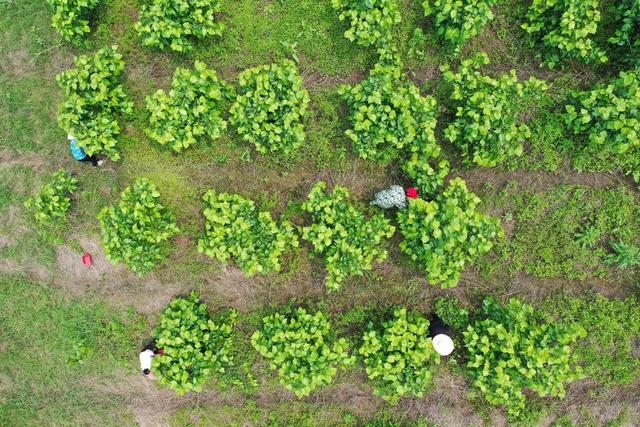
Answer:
(399, 357)
(371, 21)
(235, 229)
(563, 29)
(451, 312)
(191, 111)
(510, 349)
(303, 348)
(388, 114)
(349, 241)
(51, 203)
(71, 18)
(390, 120)
(609, 115)
(457, 21)
(270, 107)
(426, 171)
(194, 346)
(133, 230)
(627, 36)
(174, 24)
(442, 235)
(487, 127)
(94, 99)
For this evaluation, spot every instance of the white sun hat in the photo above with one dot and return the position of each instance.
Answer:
(442, 344)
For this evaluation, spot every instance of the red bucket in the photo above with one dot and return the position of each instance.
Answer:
(86, 259)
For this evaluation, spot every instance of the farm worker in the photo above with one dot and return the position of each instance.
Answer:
(79, 154)
(146, 358)
(394, 197)
(440, 339)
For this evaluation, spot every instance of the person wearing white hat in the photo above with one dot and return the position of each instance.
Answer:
(440, 336)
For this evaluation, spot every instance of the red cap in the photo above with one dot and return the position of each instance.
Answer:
(412, 193)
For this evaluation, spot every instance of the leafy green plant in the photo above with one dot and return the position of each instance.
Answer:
(606, 352)
(510, 349)
(564, 29)
(94, 99)
(303, 348)
(174, 24)
(270, 107)
(458, 21)
(443, 234)
(451, 312)
(194, 346)
(133, 230)
(624, 255)
(417, 45)
(349, 240)
(80, 354)
(236, 229)
(371, 21)
(426, 171)
(388, 114)
(627, 35)
(588, 236)
(51, 203)
(610, 116)
(399, 357)
(487, 127)
(191, 110)
(70, 18)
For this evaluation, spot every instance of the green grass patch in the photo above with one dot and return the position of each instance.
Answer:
(53, 348)
(613, 328)
(549, 228)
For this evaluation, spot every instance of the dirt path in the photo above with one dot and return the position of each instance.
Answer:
(150, 403)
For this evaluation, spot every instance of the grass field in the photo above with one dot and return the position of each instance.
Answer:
(70, 335)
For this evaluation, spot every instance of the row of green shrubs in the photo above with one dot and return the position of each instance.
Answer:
(488, 126)
(507, 350)
(390, 120)
(268, 108)
(559, 30)
(441, 235)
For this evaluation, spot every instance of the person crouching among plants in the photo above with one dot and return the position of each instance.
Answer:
(440, 336)
(146, 358)
(394, 197)
(78, 153)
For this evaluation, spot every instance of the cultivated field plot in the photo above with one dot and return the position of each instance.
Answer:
(289, 195)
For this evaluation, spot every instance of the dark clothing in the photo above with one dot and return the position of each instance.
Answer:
(151, 345)
(92, 159)
(437, 327)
